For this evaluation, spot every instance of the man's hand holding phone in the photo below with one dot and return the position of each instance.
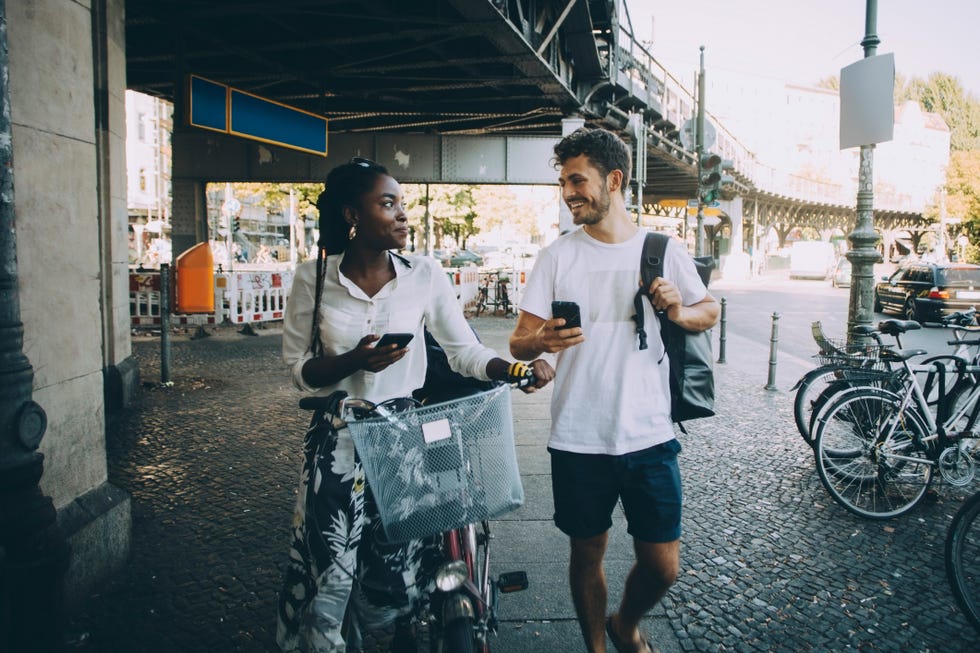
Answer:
(564, 329)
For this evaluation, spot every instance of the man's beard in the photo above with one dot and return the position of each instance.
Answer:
(598, 212)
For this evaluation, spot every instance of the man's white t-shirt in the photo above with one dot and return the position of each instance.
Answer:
(609, 396)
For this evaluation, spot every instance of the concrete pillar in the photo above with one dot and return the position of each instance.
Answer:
(189, 222)
(737, 265)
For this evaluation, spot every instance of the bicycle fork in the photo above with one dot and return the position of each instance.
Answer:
(464, 596)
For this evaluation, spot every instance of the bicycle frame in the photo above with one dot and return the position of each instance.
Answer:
(461, 611)
(940, 427)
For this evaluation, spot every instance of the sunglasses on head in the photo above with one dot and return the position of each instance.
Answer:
(364, 163)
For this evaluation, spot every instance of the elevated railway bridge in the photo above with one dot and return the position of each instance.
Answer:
(453, 91)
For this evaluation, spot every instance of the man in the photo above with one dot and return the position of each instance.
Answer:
(611, 436)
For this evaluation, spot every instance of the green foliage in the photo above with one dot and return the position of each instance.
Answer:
(460, 212)
(943, 94)
(275, 197)
(963, 192)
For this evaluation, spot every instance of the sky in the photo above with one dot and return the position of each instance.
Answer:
(804, 41)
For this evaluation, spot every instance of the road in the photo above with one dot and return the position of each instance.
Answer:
(749, 310)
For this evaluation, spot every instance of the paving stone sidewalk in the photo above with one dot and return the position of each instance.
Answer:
(769, 561)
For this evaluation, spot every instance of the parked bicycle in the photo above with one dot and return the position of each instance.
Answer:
(859, 363)
(445, 469)
(492, 293)
(842, 365)
(963, 559)
(877, 448)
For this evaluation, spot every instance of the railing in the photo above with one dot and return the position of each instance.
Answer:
(677, 105)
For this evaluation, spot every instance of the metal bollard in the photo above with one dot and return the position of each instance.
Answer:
(773, 342)
(721, 332)
(165, 323)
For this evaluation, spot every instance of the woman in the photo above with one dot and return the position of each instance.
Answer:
(341, 565)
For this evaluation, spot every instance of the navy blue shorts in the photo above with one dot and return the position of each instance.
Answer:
(586, 488)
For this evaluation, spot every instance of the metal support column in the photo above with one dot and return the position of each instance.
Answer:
(864, 239)
(699, 146)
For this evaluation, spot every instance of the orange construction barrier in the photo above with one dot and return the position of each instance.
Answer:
(195, 280)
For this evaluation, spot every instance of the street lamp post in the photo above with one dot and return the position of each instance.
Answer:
(699, 150)
(864, 239)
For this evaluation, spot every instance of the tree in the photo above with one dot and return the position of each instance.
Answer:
(275, 197)
(963, 193)
(943, 94)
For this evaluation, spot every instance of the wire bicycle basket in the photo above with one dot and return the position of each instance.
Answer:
(840, 352)
(443, 466)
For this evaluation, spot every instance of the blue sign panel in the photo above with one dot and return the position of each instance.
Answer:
(265, 120)
(208, 104)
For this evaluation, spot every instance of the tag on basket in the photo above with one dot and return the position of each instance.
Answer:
(435, 431)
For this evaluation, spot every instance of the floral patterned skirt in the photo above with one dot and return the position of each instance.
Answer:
(339, 562)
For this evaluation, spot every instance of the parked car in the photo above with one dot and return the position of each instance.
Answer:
(925, 291)
(841, 275)
(811, 259)
(463, 257)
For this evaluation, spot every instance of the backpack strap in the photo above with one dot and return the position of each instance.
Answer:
(651, 267)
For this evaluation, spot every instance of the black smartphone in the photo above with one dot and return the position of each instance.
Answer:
(400, 339)
(569, 311)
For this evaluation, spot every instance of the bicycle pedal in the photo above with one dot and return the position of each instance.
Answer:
(512, 581)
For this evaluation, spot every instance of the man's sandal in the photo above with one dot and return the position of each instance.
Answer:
(627, 647)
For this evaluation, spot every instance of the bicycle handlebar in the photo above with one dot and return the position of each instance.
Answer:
(958, 321)
(520, 375)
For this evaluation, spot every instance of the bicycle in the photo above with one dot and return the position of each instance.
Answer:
(444, 470)
(877, 448)
(963, 558)
(846, 365)
(492, 292)
(842, 366)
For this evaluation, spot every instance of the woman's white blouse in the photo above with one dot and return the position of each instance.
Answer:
(420, 295)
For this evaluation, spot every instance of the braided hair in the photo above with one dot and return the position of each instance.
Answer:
(345, 185)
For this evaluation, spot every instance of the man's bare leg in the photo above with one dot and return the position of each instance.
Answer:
(588, 581)
(655, 570)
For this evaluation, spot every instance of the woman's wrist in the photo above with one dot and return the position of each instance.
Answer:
(497, 369)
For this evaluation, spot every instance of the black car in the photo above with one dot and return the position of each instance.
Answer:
(925, 291)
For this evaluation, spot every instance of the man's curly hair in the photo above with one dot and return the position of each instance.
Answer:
(605, 150)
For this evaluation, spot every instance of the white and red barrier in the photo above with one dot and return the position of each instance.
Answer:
(466, 281)
(253, 296)
(260, 295)
(239, 298)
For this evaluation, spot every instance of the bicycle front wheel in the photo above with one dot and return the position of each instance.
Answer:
(871, 457)
(810, 394)
(963, 559)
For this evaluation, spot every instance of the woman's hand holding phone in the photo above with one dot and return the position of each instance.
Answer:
(376, 356)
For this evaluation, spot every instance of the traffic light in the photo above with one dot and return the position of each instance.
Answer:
(712, 177)
(727, 182)
(709, 178)
(236, 223)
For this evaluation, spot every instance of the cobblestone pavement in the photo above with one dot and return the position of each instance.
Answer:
(769, 561)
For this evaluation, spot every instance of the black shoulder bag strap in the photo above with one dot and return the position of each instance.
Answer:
(651, 267)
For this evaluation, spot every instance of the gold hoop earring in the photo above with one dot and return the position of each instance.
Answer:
(352, 233)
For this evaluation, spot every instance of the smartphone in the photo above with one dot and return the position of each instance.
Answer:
(400, 339)
(569, 311)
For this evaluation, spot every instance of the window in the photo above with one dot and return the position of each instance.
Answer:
(959, 277)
